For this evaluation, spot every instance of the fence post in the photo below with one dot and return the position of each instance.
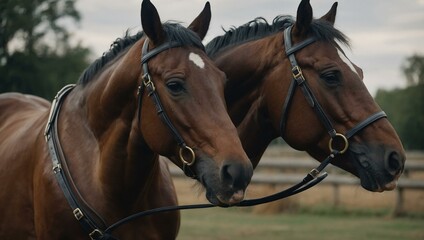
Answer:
(399, 202)
(336, 195)
(398, 211)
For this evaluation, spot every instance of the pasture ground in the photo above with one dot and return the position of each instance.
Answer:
(238, 224)
(309, 215)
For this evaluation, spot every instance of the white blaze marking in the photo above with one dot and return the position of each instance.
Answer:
(197, 60)
(347, 61)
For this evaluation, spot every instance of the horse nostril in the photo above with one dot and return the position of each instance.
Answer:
(236, 175)
(225, 174)
(394, 162)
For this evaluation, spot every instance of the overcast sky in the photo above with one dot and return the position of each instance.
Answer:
(383, 32)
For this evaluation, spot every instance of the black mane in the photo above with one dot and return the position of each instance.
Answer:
(174, 32)
(260, 28)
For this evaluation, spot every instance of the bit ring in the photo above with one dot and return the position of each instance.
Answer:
(190, 152)
(346, 143)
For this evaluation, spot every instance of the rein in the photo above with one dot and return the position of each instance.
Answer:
(81, 210)
(311, 179)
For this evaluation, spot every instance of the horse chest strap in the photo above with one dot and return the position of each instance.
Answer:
(58, 163)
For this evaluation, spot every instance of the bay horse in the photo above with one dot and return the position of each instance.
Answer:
(292, 79)
(96, 161)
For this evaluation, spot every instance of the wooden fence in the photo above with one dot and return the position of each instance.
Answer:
(273, 170)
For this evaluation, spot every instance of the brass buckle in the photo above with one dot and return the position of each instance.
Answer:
(297, 72)
(346, 143)
(78, 214)
(148, 83)
(190, 152)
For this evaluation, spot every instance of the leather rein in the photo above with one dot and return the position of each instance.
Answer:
(86, 216)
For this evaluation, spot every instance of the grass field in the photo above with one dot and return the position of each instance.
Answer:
(311, 215)
(235, 224)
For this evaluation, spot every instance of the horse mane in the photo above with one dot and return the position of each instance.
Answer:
(173, 30)
(260, 28)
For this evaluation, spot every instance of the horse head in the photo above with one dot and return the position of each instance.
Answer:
(196, 132)
(375, 153)
(292, 79)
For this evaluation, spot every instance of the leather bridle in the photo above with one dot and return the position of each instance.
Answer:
(148, 84)
(299, 80)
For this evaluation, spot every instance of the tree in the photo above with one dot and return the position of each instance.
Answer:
(35, 54)
(405, 110)
(405, 107)
(413, 69)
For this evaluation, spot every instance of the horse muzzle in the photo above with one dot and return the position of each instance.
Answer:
(226, 186)
(379, 166)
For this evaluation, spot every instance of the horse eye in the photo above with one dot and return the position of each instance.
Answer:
(175, 86)
(331, 78)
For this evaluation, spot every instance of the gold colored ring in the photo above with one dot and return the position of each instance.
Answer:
(346, 143)
(190, 152)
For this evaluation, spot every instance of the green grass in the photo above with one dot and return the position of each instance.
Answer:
(234, 224)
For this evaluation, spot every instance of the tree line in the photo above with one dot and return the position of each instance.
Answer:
(36, 57)
(405, 107)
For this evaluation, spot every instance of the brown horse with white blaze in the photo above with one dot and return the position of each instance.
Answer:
(292, 79)
(111, 126)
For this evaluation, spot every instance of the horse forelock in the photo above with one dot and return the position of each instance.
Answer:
(174, 31)
(260, 28)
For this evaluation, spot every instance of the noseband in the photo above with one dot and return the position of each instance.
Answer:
(148, 84)
(299, 80)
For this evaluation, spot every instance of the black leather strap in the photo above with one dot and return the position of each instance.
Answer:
(149, 86)
(310, 180)
(365, 123)
(147, 55)
(286, 107)
(90, 226)
(151, 90)
(301, 82)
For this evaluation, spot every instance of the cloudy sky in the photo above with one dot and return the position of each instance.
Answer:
(383, 32)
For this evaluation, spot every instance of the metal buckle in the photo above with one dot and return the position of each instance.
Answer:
(147, 81)
(314, 173)
(96, 234)
(78, 214)
(297, 72)
(57, 168)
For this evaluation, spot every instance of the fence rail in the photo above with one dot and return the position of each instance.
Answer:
(274, 171)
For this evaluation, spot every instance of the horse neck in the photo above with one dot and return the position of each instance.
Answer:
(101, 120)
(247, 67)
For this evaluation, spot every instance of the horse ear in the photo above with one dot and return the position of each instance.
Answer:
(200, 25)
(151, 23)
(331, 15)
(303, 18)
